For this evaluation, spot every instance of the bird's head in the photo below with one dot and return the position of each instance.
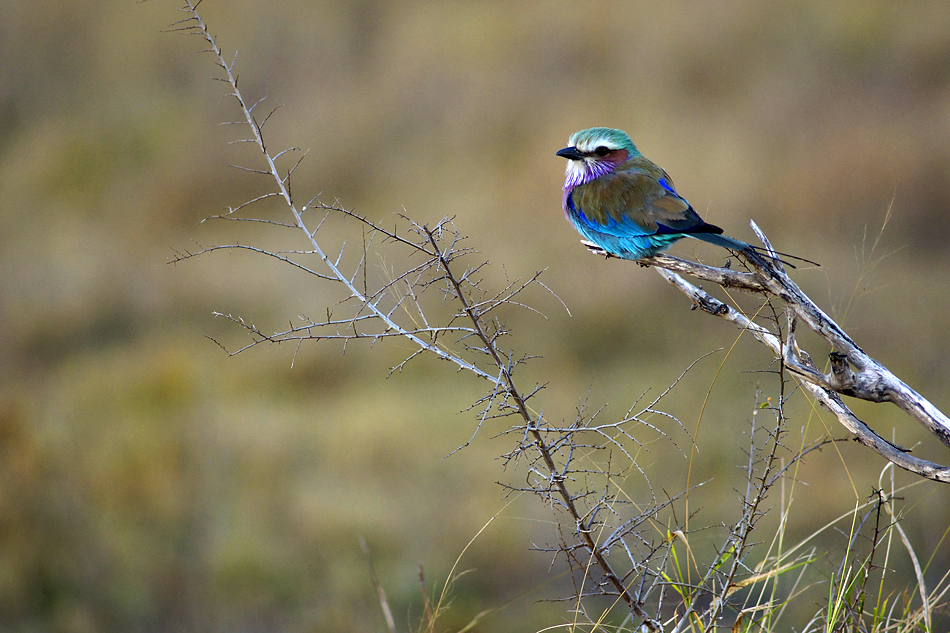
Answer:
(594, 152)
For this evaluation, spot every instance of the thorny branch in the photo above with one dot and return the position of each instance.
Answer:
(377, 314)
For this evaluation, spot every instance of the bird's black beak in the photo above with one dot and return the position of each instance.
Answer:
(570, 153)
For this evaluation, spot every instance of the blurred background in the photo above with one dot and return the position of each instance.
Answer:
(150, 482)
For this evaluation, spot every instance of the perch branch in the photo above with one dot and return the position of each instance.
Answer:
(853, 372)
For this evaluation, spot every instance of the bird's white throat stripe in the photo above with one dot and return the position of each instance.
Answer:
(579, 172)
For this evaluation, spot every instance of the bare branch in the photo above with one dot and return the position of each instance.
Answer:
(872, 381)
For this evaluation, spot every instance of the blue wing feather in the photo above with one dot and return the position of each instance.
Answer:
(624, 238)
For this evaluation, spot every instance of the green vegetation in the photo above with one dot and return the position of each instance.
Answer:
(148, 481)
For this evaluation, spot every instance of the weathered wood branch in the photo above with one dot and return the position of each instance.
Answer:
(853, 372)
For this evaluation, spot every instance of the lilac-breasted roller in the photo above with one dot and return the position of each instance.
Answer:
(625, 204)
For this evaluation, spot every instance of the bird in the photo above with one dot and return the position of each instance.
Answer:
(625, 205)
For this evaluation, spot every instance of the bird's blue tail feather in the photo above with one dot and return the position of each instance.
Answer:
(758, 256)
(721, 240)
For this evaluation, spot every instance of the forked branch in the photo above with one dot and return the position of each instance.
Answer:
(853, 372)
(395, 310)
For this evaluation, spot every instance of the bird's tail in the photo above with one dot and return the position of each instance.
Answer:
(758, 255)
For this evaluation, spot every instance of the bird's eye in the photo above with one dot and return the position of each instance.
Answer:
(602, 150)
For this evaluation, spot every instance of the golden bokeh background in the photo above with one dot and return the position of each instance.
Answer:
(150, 482)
